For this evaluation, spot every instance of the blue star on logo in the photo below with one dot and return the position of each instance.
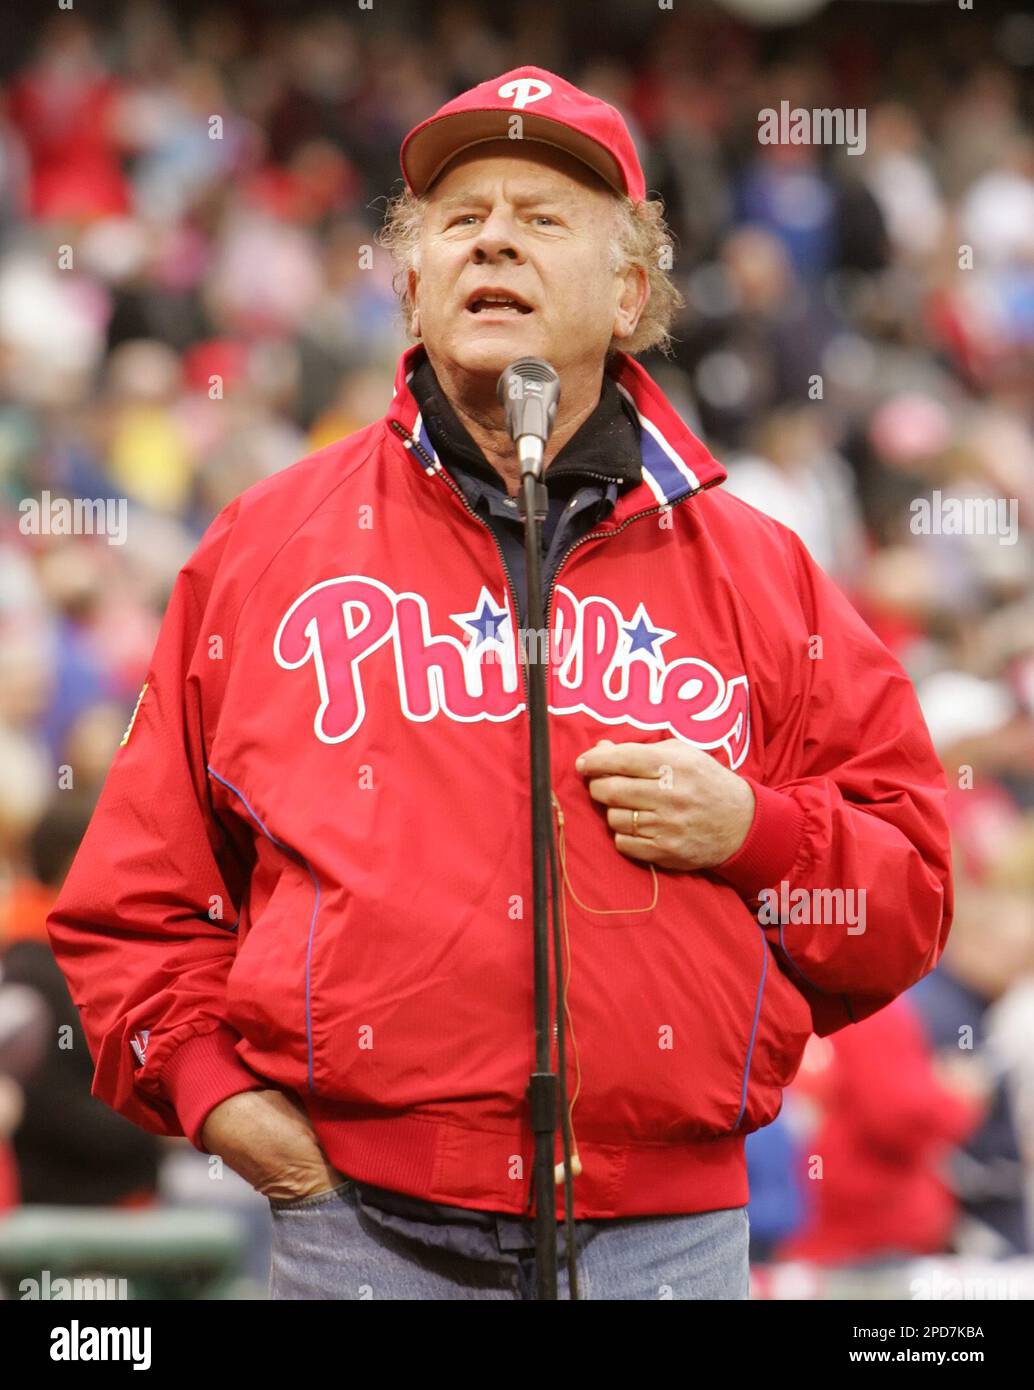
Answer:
(644, 637)
(484, 622)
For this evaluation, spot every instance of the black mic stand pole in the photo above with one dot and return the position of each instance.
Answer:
(530, 390)
(542, 1085)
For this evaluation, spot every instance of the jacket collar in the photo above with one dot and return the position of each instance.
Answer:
(675, 463)
(605, 446)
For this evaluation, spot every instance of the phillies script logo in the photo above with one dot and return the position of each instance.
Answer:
(603, 664)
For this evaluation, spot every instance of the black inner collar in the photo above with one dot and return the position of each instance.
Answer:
(607, 443)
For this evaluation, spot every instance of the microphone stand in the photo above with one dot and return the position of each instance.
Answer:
(542, 1085)
(530, 390)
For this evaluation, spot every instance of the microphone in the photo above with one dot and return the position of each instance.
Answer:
(530, 390)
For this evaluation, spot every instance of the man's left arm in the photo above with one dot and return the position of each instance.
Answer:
(861, 826)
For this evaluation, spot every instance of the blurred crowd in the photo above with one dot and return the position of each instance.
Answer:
(192, 297)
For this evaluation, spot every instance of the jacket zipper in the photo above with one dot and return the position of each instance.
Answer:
(593, 535)
(412, 443)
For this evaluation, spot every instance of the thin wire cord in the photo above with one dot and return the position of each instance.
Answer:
(600, 911)
(560, 1031)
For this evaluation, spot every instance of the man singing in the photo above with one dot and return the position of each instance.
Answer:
(299, 925)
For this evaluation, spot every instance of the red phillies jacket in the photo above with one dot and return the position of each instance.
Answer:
(311, 861)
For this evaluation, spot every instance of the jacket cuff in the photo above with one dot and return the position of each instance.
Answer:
(202, 1072)
(772, 844)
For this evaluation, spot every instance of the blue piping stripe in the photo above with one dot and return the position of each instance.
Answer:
(420, 430)
(668, 475)
(754, 1029)
(315, 907)
(786, 953)
(656, 462)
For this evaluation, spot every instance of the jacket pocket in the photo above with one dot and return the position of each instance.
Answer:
(266, 990)
(673, 1022)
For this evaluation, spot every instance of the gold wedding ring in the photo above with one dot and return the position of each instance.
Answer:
(635, 822)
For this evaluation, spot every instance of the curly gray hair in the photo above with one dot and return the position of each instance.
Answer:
(641, 238)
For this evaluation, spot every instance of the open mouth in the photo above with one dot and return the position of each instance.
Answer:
(496, 302)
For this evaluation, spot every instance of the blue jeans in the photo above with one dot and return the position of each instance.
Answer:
(334, 1245)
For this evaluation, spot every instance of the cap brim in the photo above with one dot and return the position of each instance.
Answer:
(431, 146)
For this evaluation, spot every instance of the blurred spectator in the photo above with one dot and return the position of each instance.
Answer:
(799, 480)
(63, 105)
(776, 1210)
(871, 1173)
(991, 952)
(70, 1149)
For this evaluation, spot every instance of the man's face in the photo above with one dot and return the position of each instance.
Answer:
(525, 219)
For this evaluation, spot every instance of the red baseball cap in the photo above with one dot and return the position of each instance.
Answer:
(551, 110)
